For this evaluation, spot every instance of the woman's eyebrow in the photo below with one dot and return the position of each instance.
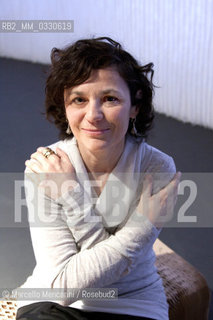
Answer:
(79, 93)
(110, 91)
(107, 91)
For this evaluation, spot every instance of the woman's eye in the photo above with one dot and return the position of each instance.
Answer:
(78, 100)
(111, 99)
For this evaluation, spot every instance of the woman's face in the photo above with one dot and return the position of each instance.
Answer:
(98, 111)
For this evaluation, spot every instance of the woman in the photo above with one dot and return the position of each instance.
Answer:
(104, 213)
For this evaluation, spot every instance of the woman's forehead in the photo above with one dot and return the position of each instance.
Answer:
(107, 80)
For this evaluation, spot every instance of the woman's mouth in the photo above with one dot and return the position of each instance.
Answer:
(95, 131)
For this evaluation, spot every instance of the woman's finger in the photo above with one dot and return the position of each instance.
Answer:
(33, 165)
(63, 155)
(43, 150)
(147, 186)
(38, 156)
(45, 161)
(172, 187)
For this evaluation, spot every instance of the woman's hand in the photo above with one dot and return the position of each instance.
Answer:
(157, 206)
(51, 172)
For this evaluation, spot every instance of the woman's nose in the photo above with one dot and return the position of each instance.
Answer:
(94, 111)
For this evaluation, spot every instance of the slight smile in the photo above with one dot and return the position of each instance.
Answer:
(95, 131)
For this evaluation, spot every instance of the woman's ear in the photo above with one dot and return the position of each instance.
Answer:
(134, 109)
(65, 98)
(66, 95)
(138, 94)
(134, 112)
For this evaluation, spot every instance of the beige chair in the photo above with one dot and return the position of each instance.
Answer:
(186, 289)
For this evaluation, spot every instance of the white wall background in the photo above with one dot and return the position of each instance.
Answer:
(177, 35)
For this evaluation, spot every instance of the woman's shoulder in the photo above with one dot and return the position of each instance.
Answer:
(148, 158)
(161, 166)
(159, 161)
(62, 144)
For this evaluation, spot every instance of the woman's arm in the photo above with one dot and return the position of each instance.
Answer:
(106, 262)
(108, 257)
(55, 246)
(80, 215)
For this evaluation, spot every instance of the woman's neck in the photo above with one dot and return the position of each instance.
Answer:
(100, 164)
(103, 161)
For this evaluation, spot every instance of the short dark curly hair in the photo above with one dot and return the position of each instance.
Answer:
(73, 65)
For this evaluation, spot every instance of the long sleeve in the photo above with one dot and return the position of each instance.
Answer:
(59, 261)
(87, 228)
(80, 215)
(73, 252)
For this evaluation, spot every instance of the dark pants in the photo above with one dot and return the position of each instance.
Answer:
(54, 311)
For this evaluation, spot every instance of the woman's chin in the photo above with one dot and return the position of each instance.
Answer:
(96, 145)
